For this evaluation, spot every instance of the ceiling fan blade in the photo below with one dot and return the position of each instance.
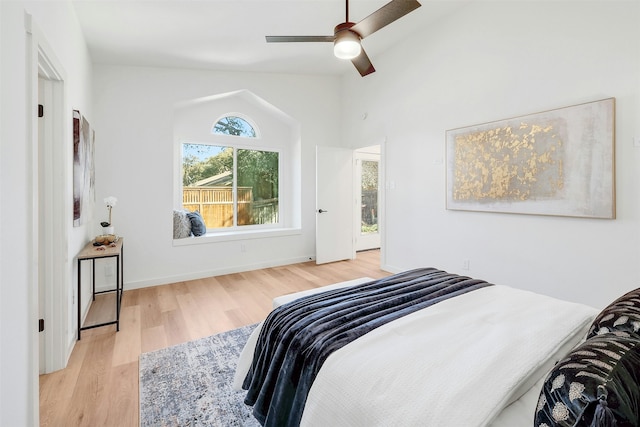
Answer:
(285, 39)
(363, 64)
(384, 16)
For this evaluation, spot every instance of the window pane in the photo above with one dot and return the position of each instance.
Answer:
(369, 197)
(207, 183)
(257, 187)
(236, 126)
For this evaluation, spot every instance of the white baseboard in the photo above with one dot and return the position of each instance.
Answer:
(210, 273)
(392, 269)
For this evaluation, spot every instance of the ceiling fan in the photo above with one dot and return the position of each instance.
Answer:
(347, 36)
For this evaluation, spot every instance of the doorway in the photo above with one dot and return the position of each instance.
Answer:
(367, 172)
(349, 202)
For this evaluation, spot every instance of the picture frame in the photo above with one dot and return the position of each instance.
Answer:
(558, 162)
(83, 169)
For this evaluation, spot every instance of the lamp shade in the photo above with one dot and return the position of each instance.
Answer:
(346, 45)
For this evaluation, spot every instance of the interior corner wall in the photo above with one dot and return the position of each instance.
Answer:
(135, 160)
(58, 24)
(489, 61)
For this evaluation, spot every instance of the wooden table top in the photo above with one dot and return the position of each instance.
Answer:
(90, 251)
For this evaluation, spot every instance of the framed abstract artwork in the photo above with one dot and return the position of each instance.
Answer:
(83, 169)
(557, 162)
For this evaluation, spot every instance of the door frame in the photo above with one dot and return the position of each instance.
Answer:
(49, 237)
(371, 153)
(382, 202)
(383, 186)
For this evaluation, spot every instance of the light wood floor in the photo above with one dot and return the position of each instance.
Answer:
(99, 387)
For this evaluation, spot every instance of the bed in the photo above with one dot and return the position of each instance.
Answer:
(430, 348)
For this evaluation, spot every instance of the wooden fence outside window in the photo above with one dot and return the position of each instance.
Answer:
(215, 204)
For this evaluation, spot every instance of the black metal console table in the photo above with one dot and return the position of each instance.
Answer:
(91, 253)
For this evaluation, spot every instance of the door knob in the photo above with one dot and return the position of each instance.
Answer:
(322, 211)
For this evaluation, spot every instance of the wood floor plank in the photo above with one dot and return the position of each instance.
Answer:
(88, 395)
(153, 339)
(57, 388)
(128, 340)
(151, 306)
(176, 327)
(99, 386)
(167, 296)
(196, 322)
(121, 407)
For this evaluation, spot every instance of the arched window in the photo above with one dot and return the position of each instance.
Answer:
(235, 126)
(238, 165)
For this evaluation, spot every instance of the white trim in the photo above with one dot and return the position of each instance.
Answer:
(373, 241)
(234, 234)
(214, 272)
(382, 204)
(392, 269)
(32, 238)
(1, 216)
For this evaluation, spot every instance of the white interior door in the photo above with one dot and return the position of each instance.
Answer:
(53, 212)
(334, 204)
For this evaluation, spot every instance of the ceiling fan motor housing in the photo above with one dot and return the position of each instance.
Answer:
(345, 26)
(347, 42)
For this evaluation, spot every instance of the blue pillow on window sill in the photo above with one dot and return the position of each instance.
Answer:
(197, 224)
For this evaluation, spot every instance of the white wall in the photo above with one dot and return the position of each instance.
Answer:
(490, 61)
(135, 160)
(60, 30)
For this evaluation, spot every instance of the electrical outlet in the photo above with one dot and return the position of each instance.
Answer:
(465, 264)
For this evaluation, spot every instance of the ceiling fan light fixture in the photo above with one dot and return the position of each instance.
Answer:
(347, 45)
(347, 35)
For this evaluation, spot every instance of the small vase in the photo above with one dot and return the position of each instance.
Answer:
(108, 230)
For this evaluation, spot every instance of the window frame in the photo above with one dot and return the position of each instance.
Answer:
(247, 119)
(278, 132)
(231, 141)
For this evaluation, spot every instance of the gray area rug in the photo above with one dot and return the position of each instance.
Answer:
(191, 384)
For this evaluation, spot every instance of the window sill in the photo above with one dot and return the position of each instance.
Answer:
(236, 235)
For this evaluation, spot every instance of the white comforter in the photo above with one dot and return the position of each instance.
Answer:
(456, 363)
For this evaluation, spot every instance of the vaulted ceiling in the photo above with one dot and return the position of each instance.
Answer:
(230, 34)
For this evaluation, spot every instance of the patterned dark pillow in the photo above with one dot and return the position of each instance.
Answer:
(197, 224)
(570, 395)
(621, 315)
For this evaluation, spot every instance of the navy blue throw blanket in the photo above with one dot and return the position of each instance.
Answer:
(297, 337)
